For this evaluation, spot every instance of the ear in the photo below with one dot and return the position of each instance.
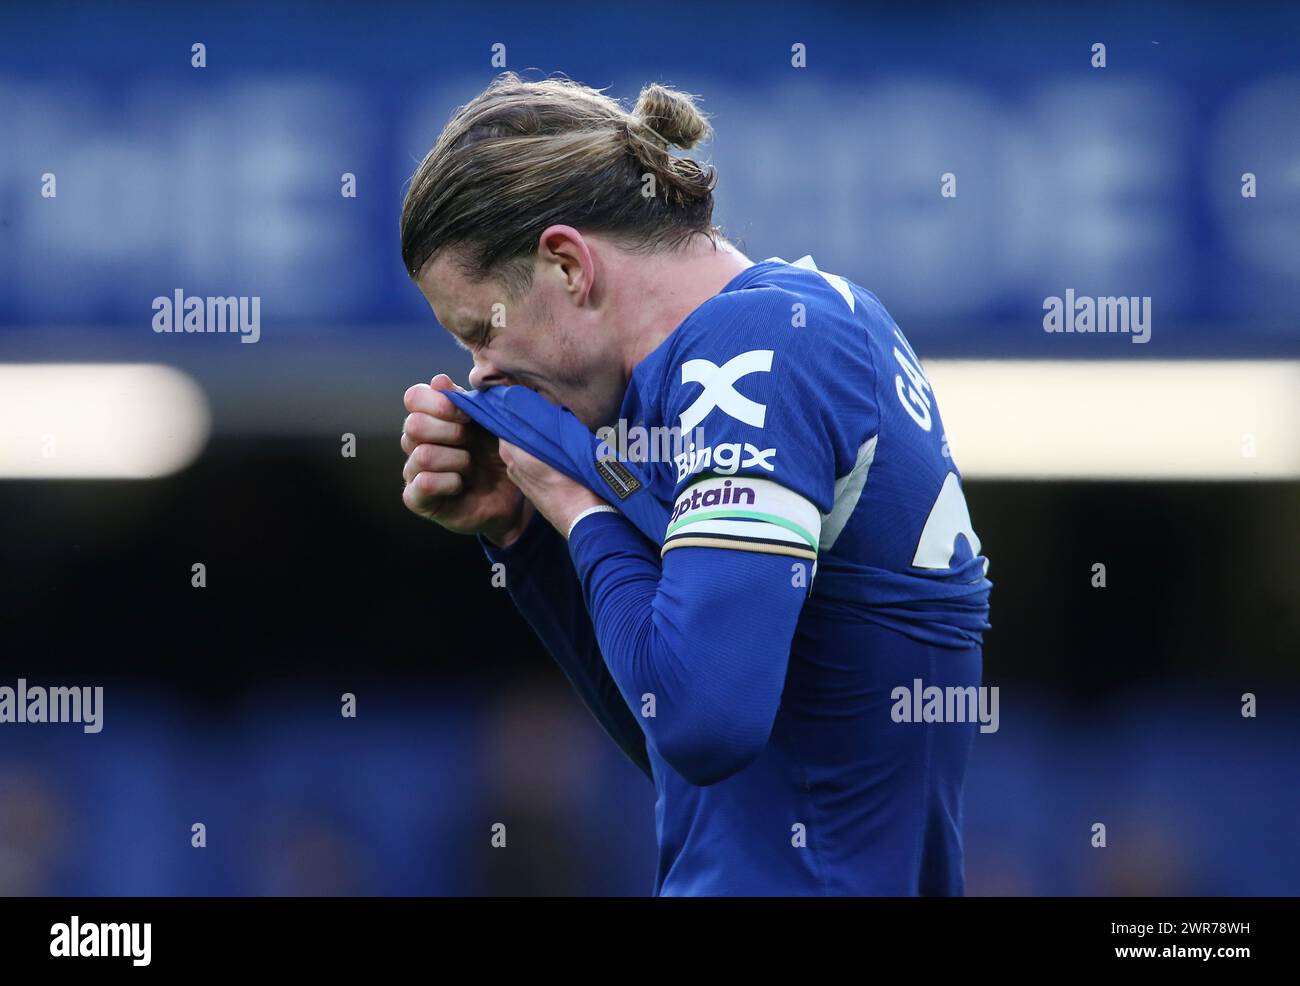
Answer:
(564, 252)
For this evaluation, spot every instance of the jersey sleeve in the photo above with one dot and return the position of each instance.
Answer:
(770, 403)
(698, 642)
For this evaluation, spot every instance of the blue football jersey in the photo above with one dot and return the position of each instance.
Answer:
(808, 428)
(803, 429)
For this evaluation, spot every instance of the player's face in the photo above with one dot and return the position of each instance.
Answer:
(520, 341)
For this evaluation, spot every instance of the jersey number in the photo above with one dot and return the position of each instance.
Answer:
(948, 517)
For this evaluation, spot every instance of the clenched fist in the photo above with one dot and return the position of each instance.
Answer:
(454, 474)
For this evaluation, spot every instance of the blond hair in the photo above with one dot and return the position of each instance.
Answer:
(522, 156)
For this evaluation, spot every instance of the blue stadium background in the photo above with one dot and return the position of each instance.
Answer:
(223, 705)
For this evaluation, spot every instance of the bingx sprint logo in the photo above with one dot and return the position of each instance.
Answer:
(720, 393)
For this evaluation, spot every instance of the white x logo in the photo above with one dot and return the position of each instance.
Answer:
(719, 388)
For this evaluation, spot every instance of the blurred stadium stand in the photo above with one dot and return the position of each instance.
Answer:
(222, 705)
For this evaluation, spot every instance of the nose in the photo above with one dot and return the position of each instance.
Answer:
(485, 375)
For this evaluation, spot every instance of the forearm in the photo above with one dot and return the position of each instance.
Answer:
(705, 638)
(543, 585)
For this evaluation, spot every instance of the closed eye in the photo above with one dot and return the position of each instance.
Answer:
(476, 338)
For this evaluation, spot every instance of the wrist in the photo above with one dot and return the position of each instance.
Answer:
(600, 508)
(506, 535)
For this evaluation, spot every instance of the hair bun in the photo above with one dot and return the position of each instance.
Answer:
(671, 115)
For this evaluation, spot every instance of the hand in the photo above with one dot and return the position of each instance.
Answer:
(453, 474)
(557, 496)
